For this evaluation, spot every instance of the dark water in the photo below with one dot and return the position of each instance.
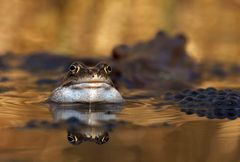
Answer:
(145, 128)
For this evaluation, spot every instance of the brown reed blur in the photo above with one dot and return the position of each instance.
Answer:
(94, 27)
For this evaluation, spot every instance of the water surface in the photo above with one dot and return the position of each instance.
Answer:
(145, 128)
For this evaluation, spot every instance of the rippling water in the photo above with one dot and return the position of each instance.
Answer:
(145, 128)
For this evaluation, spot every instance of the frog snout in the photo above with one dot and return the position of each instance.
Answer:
(91, 73)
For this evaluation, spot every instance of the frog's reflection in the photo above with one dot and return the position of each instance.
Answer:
(95, 135)
(86, 122)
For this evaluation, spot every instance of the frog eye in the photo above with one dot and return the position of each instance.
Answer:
(74, 68)
(107, 69)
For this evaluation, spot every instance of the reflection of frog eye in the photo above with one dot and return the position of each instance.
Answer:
(73, 139)
(107, 69)
(102, 139)
(74, 68)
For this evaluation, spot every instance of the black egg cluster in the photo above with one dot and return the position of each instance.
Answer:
(208, 102)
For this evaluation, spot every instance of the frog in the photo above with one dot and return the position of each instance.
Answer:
(87, 84)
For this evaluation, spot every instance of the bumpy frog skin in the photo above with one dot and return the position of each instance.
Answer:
(84, 84)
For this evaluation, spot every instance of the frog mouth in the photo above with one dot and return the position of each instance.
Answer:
(91, 84)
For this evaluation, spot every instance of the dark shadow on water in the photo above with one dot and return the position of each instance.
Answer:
(87, 122)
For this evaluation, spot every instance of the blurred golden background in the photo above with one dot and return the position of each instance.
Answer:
(92, 27)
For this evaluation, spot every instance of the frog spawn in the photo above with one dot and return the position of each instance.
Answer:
(208, 102)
